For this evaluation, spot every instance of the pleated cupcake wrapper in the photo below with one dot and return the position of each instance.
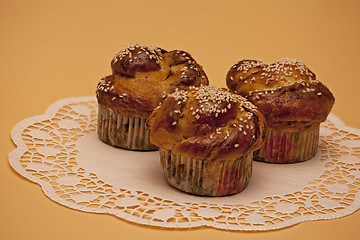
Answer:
(206, 178)
(123, 131)
(288, 147)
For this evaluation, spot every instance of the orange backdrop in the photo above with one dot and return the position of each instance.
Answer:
(55, 49)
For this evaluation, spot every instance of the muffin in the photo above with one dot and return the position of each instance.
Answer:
(141, 78)
(293, 102)
(206, 137)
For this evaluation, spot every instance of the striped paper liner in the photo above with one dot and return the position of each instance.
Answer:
(288, 147)
(123, 131)
(204, 177)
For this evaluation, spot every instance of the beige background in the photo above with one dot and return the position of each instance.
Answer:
(55, 49)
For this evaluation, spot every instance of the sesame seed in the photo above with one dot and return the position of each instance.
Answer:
(211, 99)
(319, 93)
(174, 123)
(236, 145)
(151, 51)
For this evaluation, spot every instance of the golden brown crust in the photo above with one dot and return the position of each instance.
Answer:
(286, 92)
(207, 123)
(143, 76)
(120, 95)
(136, 58)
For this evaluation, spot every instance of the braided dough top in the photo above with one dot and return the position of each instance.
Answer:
(286, 92)
(207, 123)
(143, 76)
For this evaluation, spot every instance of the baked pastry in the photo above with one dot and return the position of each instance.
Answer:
(142, 77)
(293, 102)
(206, 137)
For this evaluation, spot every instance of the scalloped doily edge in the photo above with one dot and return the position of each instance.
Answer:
(51, 111)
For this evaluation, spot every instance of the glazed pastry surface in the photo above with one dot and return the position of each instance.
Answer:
(207, 123)
(143, 76)
(286, 92)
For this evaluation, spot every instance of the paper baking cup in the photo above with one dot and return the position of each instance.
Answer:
(123, 131)
(288, 147)
(206, 178)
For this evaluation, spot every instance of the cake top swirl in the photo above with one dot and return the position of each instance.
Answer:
(207, 122)
(285, 91)
(144, 75)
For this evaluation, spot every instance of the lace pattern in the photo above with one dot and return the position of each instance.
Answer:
(54, 150)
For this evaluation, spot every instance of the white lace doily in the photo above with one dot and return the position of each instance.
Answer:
(61, 152)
